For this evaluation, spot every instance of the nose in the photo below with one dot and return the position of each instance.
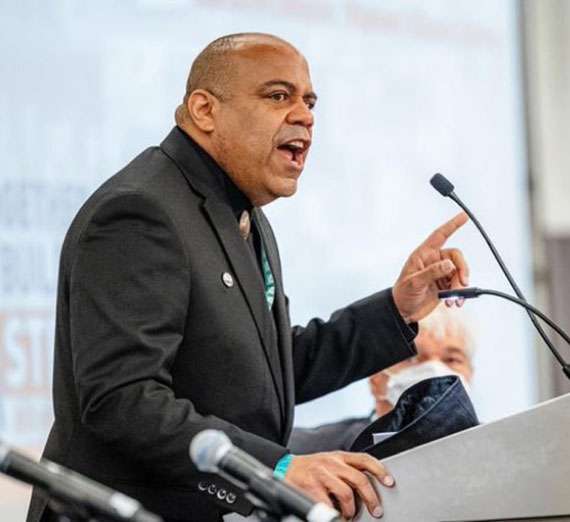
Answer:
(300, 114)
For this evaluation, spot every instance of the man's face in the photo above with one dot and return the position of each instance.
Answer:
(449, 349)
(263, 123)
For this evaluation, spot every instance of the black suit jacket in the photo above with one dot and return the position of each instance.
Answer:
(152, 346)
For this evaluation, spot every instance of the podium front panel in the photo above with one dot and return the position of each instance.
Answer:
(516, 468)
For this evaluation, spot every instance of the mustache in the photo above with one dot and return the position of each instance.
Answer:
(288, 135)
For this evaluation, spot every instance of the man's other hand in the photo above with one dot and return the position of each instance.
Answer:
(339, 474)
(431, 268)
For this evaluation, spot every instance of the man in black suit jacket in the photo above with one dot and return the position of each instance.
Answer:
(166, 324)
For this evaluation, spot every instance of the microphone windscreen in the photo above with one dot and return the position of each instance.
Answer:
(208, 448)
(441, 184)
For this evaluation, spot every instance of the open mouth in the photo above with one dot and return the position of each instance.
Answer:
(294, 151)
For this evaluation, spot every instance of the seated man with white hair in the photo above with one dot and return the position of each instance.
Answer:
(444, 347)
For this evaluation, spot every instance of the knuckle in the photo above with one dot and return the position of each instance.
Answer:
(416, 283)
(378, 465)
(343, 493)
(369, 458)
(361, 482)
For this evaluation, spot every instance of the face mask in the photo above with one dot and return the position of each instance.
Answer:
(401, 381)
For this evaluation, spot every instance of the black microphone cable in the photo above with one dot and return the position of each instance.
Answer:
(446, 189)
(473, 292)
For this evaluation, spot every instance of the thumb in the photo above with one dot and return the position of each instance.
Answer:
(435, 271)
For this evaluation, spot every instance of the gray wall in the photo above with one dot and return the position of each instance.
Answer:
(547, 44)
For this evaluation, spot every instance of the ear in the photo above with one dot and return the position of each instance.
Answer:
(200, 106)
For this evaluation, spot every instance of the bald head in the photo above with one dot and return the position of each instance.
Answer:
(215, 67)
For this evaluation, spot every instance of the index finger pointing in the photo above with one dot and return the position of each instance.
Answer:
(440, 235)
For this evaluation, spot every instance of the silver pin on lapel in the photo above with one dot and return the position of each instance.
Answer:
(244, 224)
(227, 279)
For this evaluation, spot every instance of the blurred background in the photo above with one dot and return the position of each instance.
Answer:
(479, 91)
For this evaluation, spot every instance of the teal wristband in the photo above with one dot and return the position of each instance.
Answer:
(283, 465)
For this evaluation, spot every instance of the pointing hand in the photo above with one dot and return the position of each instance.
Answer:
(430, 268)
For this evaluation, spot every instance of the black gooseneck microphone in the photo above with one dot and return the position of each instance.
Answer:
(82, 498)
(212, 451)
(446, 189)
(473, 292)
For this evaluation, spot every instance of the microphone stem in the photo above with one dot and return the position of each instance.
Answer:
(505, 270)
(515, 287)
(533, 310)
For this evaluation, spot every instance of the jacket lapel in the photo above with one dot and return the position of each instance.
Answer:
(282, 321)
(237, 251)
(250, 281)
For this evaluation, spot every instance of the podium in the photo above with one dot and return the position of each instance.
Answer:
(516, 468)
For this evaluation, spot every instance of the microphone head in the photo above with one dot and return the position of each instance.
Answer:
(208, 448)
(441, 184)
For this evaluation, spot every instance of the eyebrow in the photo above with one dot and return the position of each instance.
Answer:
(272, 83)
(454, 350)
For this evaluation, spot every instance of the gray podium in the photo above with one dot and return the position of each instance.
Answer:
(516, 468)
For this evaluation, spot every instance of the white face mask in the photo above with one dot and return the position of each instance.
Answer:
(401, 381)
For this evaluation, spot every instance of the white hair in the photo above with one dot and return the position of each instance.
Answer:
(449, 321)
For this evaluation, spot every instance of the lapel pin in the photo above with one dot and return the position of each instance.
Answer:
(244, 224)
(227, 279)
